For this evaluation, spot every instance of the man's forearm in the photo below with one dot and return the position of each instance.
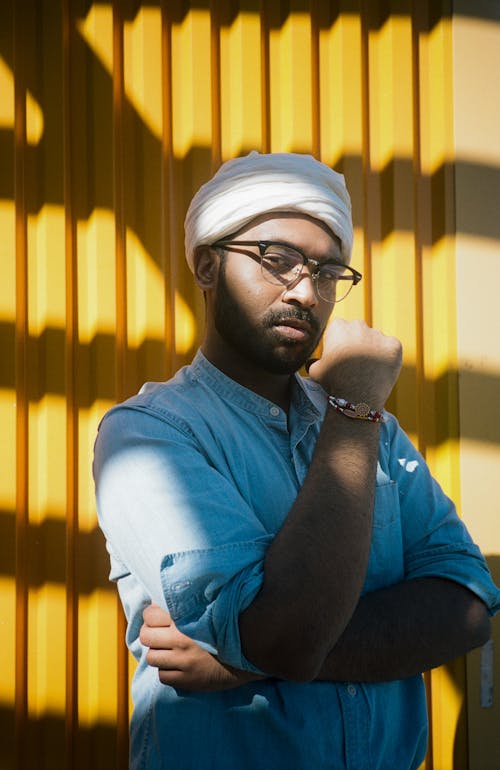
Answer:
(407, 629)
(315, 568)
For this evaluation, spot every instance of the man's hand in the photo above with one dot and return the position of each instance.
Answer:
(358, 363)
(181, 662)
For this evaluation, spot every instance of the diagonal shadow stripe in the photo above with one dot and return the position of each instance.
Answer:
(45, 737)
(143, 213)
(95, 379)
(46, 554)
(377, 15)
(476, 215)
(94, 364)
(46, 549)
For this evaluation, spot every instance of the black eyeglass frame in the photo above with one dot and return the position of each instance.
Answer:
(355, 276)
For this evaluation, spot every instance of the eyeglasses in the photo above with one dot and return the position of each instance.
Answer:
(282, 264)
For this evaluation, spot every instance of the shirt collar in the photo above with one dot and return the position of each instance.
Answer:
(308, 398)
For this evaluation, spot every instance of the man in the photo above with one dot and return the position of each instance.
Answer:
(296, 564)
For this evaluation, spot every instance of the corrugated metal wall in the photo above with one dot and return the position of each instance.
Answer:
(111, 115)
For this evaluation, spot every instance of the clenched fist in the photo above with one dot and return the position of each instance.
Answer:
(358, 363)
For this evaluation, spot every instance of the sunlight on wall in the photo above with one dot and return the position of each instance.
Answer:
(7, 631)
(477, 121)
(143, 70)
(241, 125)
(97, 658)
(142, 73)
(391, 116)
(290, 84)
(478, 279)
(475, 76)
(96, 276)
(47, 480)
(191, 82)
(34, 113)
(97, 30)
(448, 698)
(437, 124)
(185, 325)
(479, 320)
(47, 650)
(340, 97)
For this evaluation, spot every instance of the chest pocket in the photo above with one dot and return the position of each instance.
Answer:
(385, 566)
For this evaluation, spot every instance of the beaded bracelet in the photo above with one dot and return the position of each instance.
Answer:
(359, 411)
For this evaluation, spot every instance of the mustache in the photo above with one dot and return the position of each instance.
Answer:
(275, 317)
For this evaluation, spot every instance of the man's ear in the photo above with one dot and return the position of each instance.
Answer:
(206, 265)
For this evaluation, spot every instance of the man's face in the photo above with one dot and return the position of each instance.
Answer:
(273, 328)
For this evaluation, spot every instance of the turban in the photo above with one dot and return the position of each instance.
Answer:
(246, 187)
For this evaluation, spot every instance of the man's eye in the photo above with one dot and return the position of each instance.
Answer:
(331, 274)
(278, 263)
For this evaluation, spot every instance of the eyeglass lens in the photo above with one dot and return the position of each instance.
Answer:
(282, 266)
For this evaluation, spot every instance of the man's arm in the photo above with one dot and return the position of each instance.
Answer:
(315, 568)
(394, 633)
(406, 629)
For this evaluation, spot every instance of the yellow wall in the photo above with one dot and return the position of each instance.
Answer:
(477, 173)
(111, 115)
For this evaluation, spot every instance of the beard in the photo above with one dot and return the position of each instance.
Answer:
(262, 345)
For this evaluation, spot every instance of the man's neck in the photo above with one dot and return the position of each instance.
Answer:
(274, 387)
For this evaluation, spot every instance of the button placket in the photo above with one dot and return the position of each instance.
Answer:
(356, 726)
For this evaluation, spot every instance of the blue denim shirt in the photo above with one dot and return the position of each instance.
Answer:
(194, 477)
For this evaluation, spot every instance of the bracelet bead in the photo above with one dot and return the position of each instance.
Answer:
(359, 411)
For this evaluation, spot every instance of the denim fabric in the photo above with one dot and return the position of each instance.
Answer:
(194, 477)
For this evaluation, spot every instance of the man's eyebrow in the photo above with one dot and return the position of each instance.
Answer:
(335, 258)
(330, 259)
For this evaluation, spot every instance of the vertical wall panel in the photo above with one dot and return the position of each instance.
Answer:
(123, 154)
(20, 704)
(10, 345)
(476, 121)
(290, 99)
(111, 116)
(438, 416)
(241, 87)
(71, 349)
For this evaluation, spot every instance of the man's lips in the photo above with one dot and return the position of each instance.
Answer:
(294, 328)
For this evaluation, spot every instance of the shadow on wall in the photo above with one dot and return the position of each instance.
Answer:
(95, 746)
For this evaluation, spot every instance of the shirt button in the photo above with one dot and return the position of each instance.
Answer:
(351, 690)
(274, 411)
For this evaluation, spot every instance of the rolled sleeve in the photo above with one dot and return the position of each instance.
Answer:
(179, 527)
(435, 541)
(207, 590)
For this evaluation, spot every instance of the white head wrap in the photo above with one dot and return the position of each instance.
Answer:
(245, 188)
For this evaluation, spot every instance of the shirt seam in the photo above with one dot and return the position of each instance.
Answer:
(158, 413)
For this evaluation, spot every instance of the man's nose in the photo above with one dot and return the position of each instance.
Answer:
(302, 290)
